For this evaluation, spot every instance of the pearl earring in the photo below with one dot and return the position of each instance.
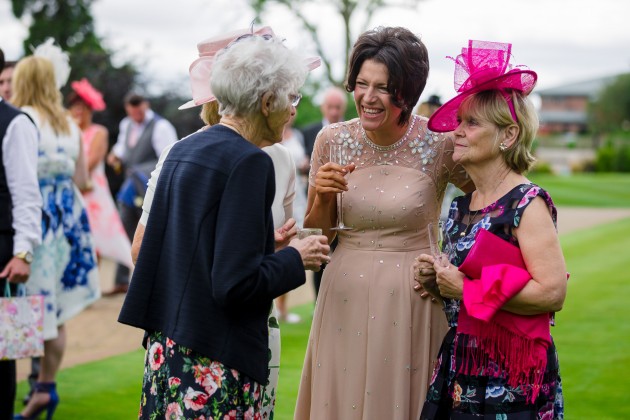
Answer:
(503, 147)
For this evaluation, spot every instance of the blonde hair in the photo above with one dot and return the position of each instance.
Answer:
(34, 85)
(210, 113)
(492, 106)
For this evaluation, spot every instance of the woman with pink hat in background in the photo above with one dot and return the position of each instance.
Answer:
(110, 238)
(505, 274)
(200, 72)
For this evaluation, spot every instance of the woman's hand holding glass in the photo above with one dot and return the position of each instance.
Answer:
(314, 250)
(424, 275)
(440, 243)
(329, 181)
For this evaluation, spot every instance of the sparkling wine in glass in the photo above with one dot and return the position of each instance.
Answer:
(440, 243)
(336, 156)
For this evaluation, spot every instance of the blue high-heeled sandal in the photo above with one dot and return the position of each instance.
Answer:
(49, 388)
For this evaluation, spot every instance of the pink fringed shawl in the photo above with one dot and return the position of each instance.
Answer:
(495, 273)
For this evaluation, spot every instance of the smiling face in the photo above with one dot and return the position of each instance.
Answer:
(373, 101)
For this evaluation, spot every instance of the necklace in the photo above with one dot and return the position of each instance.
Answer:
(471, 216)
(470, 220)
(396, 145)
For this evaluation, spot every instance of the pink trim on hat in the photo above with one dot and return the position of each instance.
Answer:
(92, 97)
(201, 69)
(484, 65)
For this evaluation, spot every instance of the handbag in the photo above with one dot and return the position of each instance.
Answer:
(21, 325)
(496, 272)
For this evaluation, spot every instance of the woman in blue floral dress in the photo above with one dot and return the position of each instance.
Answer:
(498, 359)
(64, 267)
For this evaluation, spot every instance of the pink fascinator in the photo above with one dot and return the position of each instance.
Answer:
(92, 97)
(484, 65)
(201, 69)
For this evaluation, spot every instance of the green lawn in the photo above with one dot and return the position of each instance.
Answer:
(587, 190)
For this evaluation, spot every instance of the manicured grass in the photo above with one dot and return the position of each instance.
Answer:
(103, 390)
(593, 331)
(592, 335)
(587, 190)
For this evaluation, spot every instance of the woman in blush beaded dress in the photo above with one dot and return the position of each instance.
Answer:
(110, 238)
(373, 336)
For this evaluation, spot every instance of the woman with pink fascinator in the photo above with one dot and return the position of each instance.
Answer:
(110, 239)
(501, 274)
(281, 209)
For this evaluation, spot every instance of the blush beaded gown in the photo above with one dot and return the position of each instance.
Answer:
(373, 340)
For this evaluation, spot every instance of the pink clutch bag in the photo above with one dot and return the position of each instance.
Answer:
(488, 250)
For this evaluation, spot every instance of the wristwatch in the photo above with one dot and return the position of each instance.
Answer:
(26, 256)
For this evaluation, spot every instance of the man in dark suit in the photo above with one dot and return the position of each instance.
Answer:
(333, 109)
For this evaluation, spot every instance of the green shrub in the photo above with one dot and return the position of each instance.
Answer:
(541, 167)
(613, 157)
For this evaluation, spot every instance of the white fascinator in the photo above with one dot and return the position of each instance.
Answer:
(58, 58)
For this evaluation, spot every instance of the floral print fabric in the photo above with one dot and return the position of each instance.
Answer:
(181, 384)
(457, 396)
(64, 268)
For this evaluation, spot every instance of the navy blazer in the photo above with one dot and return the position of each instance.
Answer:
(207, 272)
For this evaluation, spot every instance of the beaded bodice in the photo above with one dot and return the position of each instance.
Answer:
(395, 190)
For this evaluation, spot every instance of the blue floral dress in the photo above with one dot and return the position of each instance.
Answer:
(64, 268)
(455, 395)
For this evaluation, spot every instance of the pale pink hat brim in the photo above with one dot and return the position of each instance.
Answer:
(201, 69)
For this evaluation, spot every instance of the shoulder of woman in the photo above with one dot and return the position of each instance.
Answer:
(279, 154)
(100, 129)
(31, 112)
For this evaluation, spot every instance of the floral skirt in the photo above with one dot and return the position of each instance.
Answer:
(180, 383)
(453, 395)
(64, 268)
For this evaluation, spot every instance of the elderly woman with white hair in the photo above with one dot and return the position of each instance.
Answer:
(207, 273)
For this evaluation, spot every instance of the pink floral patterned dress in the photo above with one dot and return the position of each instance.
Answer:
(110, 238)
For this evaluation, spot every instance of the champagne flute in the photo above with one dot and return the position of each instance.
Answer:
(439, 242)
(336, 156)
(306, 232)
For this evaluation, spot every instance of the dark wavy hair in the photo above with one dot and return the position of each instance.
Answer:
(1, 60)
(405, 57)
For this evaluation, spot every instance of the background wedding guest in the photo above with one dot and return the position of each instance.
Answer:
(64, 267)
(110, 238)
(5, 80)
(142, 137)
(20, 218)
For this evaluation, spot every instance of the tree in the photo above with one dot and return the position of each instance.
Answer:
(350, 12)
(610, 112)
(70, 24)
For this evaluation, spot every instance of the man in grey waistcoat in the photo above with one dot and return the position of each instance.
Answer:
(142, 137)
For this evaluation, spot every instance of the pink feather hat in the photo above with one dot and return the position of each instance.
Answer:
(201, 69)
(484, 65)
(92, 97)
